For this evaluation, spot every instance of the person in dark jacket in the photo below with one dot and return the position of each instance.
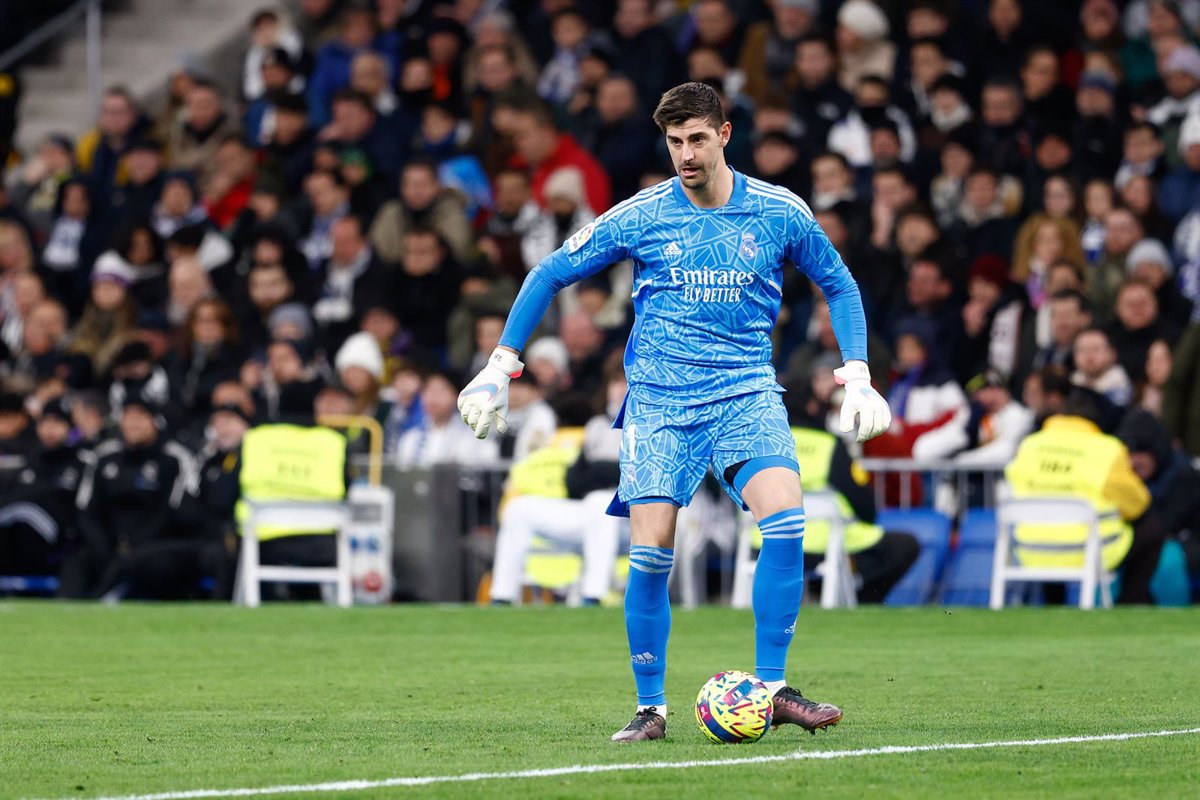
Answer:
(129, 501)
(426, 286)
(289, 384)
(1137, 325)
(138, 196)
(210, 354)
(349, 279)
(220, 465)
(288, 152)
(37, 521)
(18, 442)
(1173, 483)
(623, 138)
(640, 42)
(817, 97)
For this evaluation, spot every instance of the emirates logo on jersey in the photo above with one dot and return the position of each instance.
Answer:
(708, 285)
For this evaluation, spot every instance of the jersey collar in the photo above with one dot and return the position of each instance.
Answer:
(736, 199)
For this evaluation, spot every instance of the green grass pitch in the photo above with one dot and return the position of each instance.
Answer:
(99, 701)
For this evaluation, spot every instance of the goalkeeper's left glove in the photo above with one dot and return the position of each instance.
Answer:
(862, 401)
(486, 397)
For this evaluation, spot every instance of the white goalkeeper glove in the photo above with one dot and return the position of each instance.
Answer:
(862, 401)
(486, 397)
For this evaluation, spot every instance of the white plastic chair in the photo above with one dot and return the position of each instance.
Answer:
(705, 521)
(1091, 575)
(837, 584)
(301, 516)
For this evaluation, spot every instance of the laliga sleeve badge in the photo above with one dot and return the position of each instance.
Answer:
(580, 237)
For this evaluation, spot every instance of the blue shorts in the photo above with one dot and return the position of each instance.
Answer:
(665, 450)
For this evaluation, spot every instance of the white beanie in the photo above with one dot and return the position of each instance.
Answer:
(1189, 132)
(864, 18)
(548, 348)
(567, 183)
(1149, 251)
(361, 350)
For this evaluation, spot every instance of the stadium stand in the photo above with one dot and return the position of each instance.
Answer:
(335, 222)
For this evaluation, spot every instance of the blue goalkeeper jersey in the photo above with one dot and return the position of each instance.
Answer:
(706, 287)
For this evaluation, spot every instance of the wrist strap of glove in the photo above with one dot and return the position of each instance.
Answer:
(507, 362)
(852, 371)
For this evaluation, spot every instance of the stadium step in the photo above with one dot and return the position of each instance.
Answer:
(142, 41)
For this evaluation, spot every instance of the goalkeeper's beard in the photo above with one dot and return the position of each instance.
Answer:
(698, 181)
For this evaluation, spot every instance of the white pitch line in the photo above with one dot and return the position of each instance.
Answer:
(582, 769)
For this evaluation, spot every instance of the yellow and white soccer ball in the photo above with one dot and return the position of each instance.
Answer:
(734, 707)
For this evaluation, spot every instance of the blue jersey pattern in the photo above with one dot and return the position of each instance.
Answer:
(706, 287)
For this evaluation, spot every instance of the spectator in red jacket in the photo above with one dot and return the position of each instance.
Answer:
(542, 149)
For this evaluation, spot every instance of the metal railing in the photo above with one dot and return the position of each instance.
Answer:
(961, 478)
(91, 11)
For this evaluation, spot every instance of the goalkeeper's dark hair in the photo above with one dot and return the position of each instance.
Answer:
(689, 101)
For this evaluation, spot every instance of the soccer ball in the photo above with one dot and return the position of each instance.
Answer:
(733, 707)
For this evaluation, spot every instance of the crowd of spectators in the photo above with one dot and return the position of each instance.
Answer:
(1015, 186)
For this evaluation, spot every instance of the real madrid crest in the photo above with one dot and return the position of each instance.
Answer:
(749, 247)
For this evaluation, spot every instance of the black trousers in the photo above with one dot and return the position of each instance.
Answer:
(1139, 565)
(880, 566)
(166, 570)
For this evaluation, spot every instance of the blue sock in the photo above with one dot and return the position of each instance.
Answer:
(648, 620)
(778, 589)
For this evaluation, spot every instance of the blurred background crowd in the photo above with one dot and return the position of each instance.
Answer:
(1014, 185)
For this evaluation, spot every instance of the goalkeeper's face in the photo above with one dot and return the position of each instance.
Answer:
(697, 151)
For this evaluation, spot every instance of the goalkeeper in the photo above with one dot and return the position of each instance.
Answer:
(708, 248)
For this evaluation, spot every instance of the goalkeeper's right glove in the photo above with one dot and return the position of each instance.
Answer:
(486, 396)
(862, 401)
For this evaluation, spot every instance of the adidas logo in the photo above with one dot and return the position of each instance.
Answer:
(644, 658)
(789, 630)
(673, 251)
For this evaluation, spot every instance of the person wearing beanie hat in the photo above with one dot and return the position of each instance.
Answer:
(290, 321)
(359, 364)
(566, 211)
(57, 408)
(862, 44)
(111, 267)
(1149, 258)
(1181, 74)
(1150, 262)
(360, 351)
(566, 184)
(229, 422)
(548, 362)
